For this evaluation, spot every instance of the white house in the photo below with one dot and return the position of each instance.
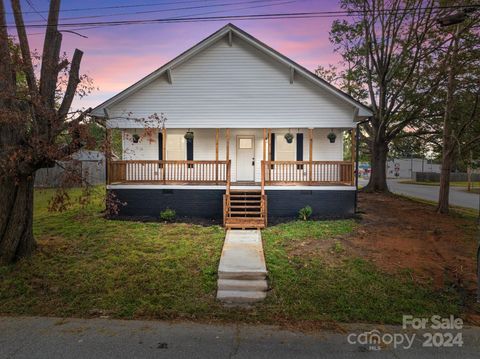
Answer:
(205, 135)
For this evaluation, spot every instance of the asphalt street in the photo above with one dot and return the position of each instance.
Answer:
(33, 337)
(458, 196)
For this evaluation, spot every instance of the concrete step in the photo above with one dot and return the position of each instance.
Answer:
(243, 275)
(242, 285)
(234, 296)
(244, 226)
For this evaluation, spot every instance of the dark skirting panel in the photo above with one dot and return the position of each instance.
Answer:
(208, 203)
(324, 203)
(148, 203)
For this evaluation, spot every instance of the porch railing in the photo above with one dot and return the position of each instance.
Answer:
(169, 172)
(307, 173)
(218, 172)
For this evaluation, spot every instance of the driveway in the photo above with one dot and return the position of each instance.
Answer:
(458, 196)
(31, 337)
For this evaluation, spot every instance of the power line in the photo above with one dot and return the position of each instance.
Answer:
(298, 15)
(115, 7)
(164, 10)
(186, 16)
(35, 10)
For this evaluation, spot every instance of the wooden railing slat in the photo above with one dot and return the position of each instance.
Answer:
(273, 172)
(306, 172)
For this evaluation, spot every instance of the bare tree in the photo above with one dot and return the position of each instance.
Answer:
(36, 128)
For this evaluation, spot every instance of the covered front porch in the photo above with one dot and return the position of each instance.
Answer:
(242, 171)
(234, 157)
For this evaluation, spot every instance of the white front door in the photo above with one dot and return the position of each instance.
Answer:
(245, 158)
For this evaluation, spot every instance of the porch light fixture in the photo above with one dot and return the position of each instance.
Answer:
(332, 137)
(189, 136)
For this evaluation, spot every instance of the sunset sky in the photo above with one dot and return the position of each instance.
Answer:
(115, 57)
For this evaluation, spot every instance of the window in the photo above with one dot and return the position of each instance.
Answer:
(245, 143)
(284, 151)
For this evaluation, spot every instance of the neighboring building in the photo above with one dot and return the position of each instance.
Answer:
(85, 166)
(405, 168)
(238, 98)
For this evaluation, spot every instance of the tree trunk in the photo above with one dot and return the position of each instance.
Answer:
(443, 204)
(448, 141)
(378, 175)
(16, 218)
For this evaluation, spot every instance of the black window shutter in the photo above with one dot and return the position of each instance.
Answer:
(160, 146)
(272, 147)
(299, 146)
(299, 150)
(190, 152)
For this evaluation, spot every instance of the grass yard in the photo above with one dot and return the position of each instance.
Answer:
(87, 266)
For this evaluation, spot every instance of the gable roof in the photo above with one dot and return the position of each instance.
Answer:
(362, 111)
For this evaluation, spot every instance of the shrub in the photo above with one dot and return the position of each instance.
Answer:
(168, 215)
(337, 247)
(305, 213)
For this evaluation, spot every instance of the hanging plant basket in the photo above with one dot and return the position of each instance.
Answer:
(189, 136)
(289, 137)
(332, 137)
(135, 138)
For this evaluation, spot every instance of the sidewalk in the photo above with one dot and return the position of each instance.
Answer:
(103, 338)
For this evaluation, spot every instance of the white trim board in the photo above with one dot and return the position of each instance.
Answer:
(222, 187)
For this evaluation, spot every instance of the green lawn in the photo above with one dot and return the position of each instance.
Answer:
(89, 266)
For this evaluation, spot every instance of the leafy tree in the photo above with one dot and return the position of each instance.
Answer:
(461, 114)
(387, 50)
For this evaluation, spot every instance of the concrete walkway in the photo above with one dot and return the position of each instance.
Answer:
(242, 271)
(52, 338)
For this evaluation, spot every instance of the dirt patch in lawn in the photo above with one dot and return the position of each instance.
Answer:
(400, 234)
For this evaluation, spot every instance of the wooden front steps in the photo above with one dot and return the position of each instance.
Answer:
(245, 209)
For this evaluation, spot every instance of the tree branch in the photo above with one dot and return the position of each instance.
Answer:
(73, 81)
(50, 59)
(24, 47)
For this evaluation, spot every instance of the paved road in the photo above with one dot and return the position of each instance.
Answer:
(458, 196)
(103, 338)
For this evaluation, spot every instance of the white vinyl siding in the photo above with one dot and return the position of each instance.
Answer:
(145, 149)
(284, 151)
(233, 87)
(176, 147)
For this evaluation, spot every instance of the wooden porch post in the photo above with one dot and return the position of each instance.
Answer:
(310, 155)
(164, 154)
(227, 144)
(216, 155)
(227, 158)
(108, 155)
(264, 144)
(262, 169)
(353, 152)
(268, 168)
